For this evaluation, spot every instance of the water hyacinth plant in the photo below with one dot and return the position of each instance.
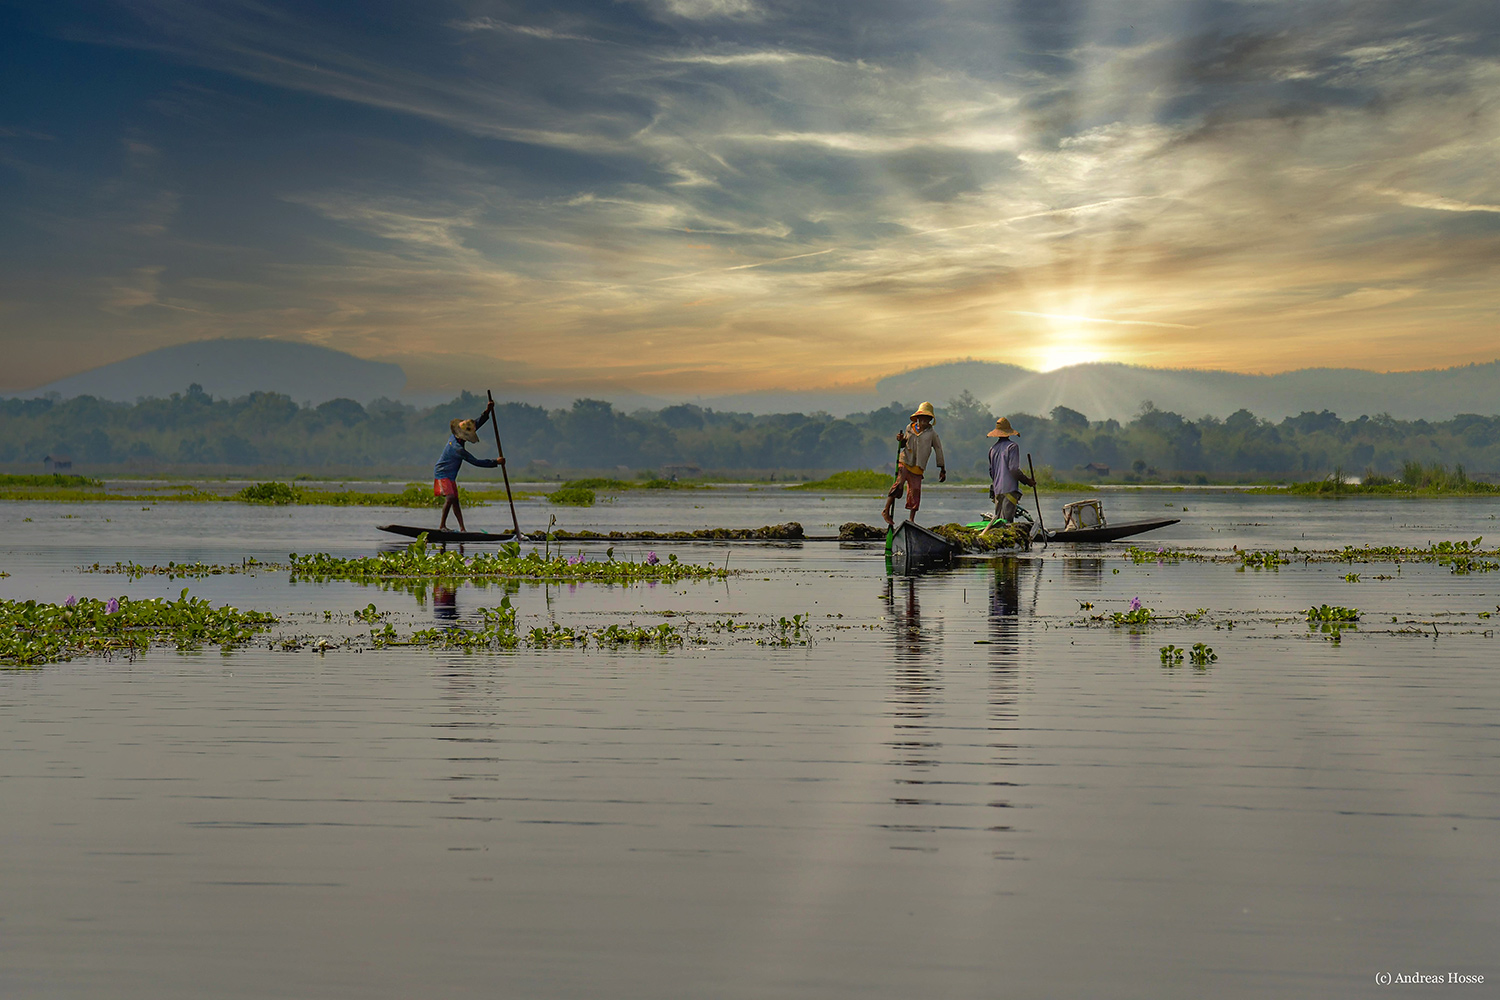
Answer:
(418, 561)
(32, 633)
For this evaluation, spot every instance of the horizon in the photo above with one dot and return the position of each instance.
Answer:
(726, 197)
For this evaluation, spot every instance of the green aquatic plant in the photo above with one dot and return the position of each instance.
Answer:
(33, 633)
(1136, 616)
(1331, 613)
(270, 493)
(572, 496)
(1008, 536)
(417, 561)
(174, 570)
(50, 479)
(1171, 655)
(1262, 560)
(415, 496)
(1201, 655)
(864, 480)
(1136, 554)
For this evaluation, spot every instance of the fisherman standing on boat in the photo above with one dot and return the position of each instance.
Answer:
(918, 441)
(1005, 470)
(445, 473)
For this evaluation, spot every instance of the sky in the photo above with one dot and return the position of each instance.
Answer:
(681, 197)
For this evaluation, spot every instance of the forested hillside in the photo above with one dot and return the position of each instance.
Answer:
(195, 431)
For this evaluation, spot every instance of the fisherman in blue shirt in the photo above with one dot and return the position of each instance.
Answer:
(445, 473)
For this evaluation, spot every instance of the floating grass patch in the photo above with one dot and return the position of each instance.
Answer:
(1262, 560)
(1416, 479)
(33, 633)
(1136, 554)
(93, 493)
(415, 495)
(572, 496)
(173, 570)
(418, 562)
(55, 479)
(864, 480)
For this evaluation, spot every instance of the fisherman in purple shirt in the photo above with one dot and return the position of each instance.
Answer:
(1005, 470)
(445, 473)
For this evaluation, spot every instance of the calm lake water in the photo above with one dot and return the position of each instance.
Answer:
(963, 786)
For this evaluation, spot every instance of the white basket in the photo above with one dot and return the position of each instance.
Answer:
(1083, 514)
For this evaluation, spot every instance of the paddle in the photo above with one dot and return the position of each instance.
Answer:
(500, 452)
(1039, 522)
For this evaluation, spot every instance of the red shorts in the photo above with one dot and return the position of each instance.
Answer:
(913, 487)
(445, 488)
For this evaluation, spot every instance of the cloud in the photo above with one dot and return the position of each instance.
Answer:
(795, 194)
(1416, 199)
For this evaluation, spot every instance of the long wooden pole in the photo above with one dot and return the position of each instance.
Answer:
(1039, 522)
(500, 452)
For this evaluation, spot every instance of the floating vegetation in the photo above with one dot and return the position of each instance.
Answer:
(1416, 480)
(415, 495)
(1330, 613)
(54, 479)
(173, 570)
(1351, 577)
(92, 490)
(1136, 554)
(863, 480)
(33, 633)
(1262, 560)
(1137, 615)
(855, 531)
(572, 496)
(417, 561)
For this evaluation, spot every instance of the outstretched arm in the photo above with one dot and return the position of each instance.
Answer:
(483, 463)
(484, 417)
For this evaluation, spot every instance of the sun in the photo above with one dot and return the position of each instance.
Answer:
(1064, 349)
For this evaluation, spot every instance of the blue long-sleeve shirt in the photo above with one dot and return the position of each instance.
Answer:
(455, 455)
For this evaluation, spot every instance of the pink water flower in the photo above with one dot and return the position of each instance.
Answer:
(651, 559)
(575, 560)
(112, 606)
(1135, 604)
(70, 602)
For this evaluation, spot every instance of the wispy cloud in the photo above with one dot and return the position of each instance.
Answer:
(774, 194)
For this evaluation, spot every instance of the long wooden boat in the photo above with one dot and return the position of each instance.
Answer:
(1099, 533)
(436, 536)
(913, 543)
(1109, 532)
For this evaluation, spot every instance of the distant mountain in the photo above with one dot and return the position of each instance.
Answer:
(1101, 391)
(229, 369)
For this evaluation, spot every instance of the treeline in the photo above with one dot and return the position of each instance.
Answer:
(192, 429)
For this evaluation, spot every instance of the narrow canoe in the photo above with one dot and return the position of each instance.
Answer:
(1109, 532)
(914, 543)
(1103, 533)
(435, 536)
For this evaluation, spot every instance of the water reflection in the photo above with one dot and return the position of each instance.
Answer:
(444, 602)
(904, 613)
